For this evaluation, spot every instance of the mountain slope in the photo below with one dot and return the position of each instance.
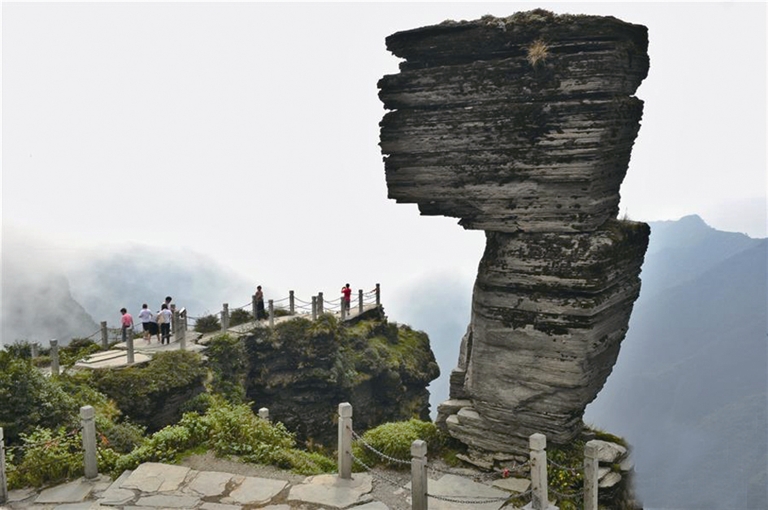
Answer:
(689, 390)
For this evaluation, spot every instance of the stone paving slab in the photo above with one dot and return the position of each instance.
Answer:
(168, 501)
(209, 483)
(156, 477)
(72, 492)
(221, 506)
(452, 485)
(255, 491)
(332, 491)
(518, 485)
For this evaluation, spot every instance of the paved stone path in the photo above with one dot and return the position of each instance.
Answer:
(155, 486)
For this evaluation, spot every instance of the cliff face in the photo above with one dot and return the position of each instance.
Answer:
(523, 127)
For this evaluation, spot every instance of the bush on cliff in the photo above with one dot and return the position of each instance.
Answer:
(207, 324)
(229, 367)
(394, 440)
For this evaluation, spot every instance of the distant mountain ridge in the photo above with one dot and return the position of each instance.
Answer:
(689, 389)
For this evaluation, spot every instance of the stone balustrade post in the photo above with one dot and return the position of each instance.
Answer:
(104, 335)
(34, 350)
(320, 310)
(225, 317)
(291, 303)
(590, 475)
(539, 497)
(3, 478)
(255, 308)
(87, 415)
(419, 475)
(343, 310)
(271, 312)
(264, 413)
(314, 308)
(345, 441)
(54, 357)
(378, 294)
(360, 301)
(129, 356)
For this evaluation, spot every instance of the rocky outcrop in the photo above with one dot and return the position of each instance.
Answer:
(523, 127)
(302, 371)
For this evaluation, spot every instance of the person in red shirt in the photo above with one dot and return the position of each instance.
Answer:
(347, 297)
(126, 321)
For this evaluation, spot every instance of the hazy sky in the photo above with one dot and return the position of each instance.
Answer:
(249, 132)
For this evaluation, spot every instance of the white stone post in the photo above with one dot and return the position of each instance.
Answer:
(319, 303)
(3, 479)
(271, 312)
(255, 308)
(343, 310)
(129, 345)
(104, 335)
(87, 415)
(264, 413)
(539, 496)
(291, 303)
(54, 357)
(378, 294)
(314, 308)
(360, 301)
(345, 441)
(419, 475)
(33, 347)
(590, 475)
(225, 317)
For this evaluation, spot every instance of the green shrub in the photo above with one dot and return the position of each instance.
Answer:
(208, 324)
(47, 456)
(240, 316)
(394, 439)
(29, 399)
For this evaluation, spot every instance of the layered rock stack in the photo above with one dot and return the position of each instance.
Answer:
(523, 127)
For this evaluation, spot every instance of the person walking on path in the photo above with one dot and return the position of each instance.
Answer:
(148, 324)
(167, 303)
(346, 297)
(164, 321)
(259, 296)
(126, 323)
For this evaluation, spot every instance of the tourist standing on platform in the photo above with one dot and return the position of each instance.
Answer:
(259, 304)
(167, 303)
(346, 297)
(126, 323)
(164, 317)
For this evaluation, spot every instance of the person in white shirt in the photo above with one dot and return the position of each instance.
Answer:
(164, 317)
(148, 323)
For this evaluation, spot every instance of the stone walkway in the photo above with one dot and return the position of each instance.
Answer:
(155, 486)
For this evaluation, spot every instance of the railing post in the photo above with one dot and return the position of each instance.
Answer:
(319, 303)
(590, 476)
(87, 415)
(181, 329)
(174, 319)
(54, 357)
(360, 301)
(378, 294)
(264, 413)
(253, 305)
(33, 347)
(539, 496)
(225, 317)
(419, 475)
(291, 303)
(343, 310)
(345, 441)
(314, 308)
(104, 335)
(129, 358)
(271, 312)
(3, 479)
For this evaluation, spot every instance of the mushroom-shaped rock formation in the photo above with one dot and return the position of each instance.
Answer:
(523, 127)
